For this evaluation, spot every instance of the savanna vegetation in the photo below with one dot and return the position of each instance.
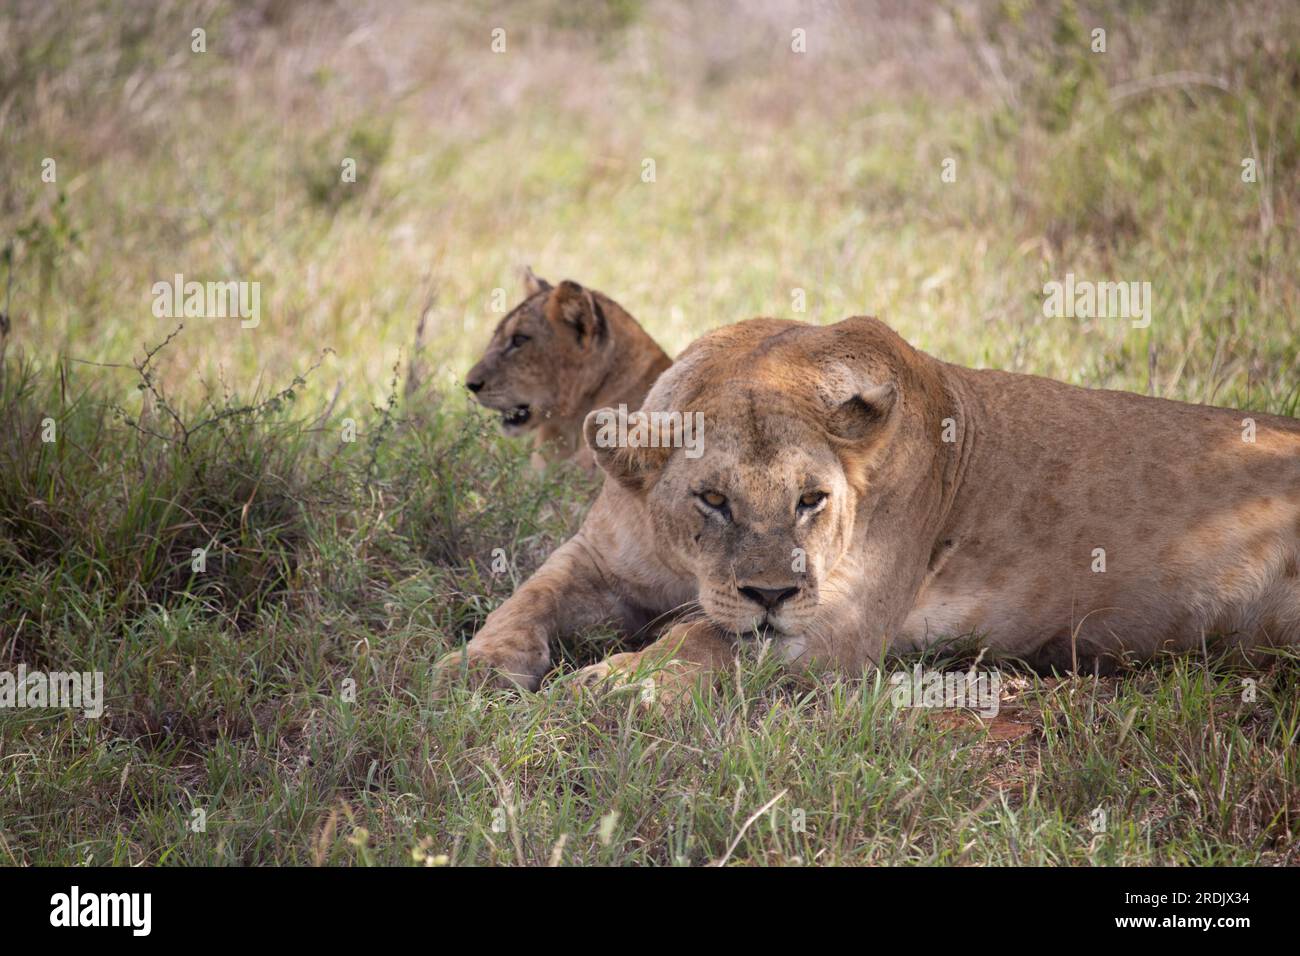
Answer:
(356, 515)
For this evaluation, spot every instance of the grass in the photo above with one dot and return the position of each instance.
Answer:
(283, 691)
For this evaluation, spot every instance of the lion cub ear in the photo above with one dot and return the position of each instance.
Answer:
(533, 283)
(862, 414)
(633, 467)
(577, 309)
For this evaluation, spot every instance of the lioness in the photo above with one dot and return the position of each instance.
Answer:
(557, 355)
(856, 496)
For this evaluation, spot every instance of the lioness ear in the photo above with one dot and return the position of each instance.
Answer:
(534, 284)
(577, 309)
(635, 468)
(863, 413)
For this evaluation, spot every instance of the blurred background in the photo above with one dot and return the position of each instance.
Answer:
(796, 146)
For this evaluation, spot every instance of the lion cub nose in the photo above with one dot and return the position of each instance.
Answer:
(473, 385)
(769, 597)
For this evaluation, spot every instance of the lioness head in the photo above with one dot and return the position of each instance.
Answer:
(537, 362)
(798, 428)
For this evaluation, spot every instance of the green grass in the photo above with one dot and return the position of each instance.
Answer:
(285, 689)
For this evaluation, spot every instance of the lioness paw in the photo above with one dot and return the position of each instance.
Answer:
(483, 668)
(613, 669)
(667, 684)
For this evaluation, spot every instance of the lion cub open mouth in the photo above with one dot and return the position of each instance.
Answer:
(516, 417)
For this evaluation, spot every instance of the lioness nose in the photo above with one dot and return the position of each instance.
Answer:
(473, 385)
(769, 597)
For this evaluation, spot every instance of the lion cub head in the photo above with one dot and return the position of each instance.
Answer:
(535, 350)
(561, 352)
(755, 456)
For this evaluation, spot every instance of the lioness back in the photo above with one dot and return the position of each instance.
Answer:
(1159, 521)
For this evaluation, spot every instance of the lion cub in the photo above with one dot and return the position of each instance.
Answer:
(560, 353)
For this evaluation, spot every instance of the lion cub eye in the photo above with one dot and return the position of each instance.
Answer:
(713, 499)
(812, 500)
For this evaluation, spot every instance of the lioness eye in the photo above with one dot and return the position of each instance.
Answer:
(811, 500)
(713, 499)
(517, 340)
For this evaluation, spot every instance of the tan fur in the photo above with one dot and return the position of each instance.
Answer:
(583, 351)
(991, 533)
